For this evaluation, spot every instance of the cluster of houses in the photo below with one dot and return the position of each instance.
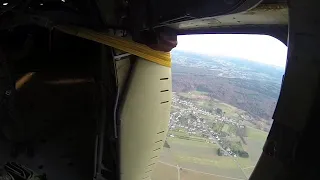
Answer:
(189, 119)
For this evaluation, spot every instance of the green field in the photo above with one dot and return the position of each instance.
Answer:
(182, 134)
(199, 142)
(202, 100)
(193, 175)
(201, 156)
(163, 171)
(168, 172)
(256, 134)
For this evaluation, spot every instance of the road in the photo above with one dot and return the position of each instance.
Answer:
(233, 158)
(176, 166)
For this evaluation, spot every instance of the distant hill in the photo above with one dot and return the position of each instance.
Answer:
(250, 86)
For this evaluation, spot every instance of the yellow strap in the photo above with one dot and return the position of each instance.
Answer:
(143, 51)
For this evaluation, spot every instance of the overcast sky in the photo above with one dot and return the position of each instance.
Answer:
(260, 48)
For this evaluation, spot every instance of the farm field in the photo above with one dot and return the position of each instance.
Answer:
(199, 160)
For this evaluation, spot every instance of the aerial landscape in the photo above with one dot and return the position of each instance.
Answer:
(221, 114)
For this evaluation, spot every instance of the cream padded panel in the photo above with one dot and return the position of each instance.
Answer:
(144, 119)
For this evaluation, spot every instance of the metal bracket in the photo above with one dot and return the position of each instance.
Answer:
(121, 56)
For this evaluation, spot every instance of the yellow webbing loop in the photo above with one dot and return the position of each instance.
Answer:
(143, 51)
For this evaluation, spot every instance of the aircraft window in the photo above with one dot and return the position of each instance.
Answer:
(225, 89)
